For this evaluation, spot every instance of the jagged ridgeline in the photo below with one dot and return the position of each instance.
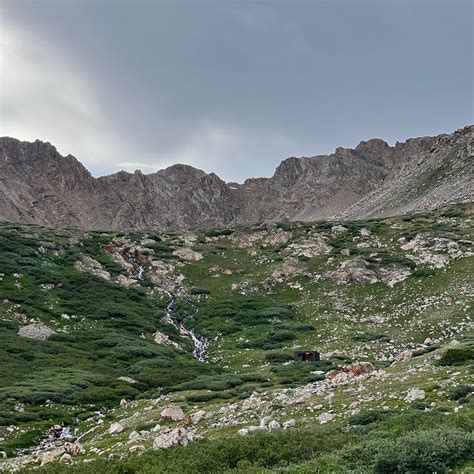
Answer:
(114, 343)
(372, 180)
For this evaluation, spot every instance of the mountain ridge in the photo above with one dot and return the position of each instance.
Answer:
(39, 185)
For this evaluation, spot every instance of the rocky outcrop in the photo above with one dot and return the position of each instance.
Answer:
(38, 185)
(173, 437)
(360, 272)
(36, 330)
(172, 412)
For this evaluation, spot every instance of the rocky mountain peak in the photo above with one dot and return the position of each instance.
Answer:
(39, 185)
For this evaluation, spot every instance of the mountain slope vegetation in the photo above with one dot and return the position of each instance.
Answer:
(179, 344)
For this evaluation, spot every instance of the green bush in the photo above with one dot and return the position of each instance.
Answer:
(200, 291)
(423, 451)
(367, 336)
(456, 356)
(461, 391)
(278, 356)
(370, 416)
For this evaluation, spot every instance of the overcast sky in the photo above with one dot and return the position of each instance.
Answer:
(232, 87)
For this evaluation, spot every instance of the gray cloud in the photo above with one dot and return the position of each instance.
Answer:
(231, 87)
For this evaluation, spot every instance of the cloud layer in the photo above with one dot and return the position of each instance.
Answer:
(230, 87)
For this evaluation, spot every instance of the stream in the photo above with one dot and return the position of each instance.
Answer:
(201, 343)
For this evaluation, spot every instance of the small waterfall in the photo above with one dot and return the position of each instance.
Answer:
(137, 266)
(201, 343)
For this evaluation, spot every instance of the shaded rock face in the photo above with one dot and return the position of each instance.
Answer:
(38, 185)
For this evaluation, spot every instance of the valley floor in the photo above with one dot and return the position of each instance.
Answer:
(173, 351)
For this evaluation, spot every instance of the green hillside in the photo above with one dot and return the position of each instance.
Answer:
(99, 328)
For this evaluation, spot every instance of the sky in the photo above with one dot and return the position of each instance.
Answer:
(230, 86)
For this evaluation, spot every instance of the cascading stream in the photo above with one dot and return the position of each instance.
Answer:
(201, 343)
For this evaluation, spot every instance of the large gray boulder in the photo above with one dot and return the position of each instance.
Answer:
(37, 330)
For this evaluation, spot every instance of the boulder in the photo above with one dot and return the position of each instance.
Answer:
(89, 265)
(126, 282)
(338, 229)
(172, 412)
(163, 339)
(65, 458)
(197, 416)
(325, 417)
(36, 330)
(273, 425)
(73, 448)
(115, 428)
(415, 394)
(403, 356)
(359, 272)
(138, 448)
(172, 438)
(188, 254)
(289, 424)
(251, 403)
(356, 271)
(357, 369)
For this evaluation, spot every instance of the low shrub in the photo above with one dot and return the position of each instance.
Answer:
(367, 336)
(456, 356)
(278, 356)
(461, 391)
(200, 291)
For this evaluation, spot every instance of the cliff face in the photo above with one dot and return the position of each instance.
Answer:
(38, 185)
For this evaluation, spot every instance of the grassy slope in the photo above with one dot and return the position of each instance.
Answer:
(251, 334)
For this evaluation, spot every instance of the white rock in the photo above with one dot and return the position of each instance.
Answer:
(188, 254)
(243, 432)
(133, 436)
(171, 438)
(403, 356)
(116, 428)
(36, 330)
(273, 425)
(172, 412)
(415, 394)
(251, 403)
(65, 458)
(325, 417)
(198, 416)
(163, 339)
(128, 380)
(289, 423)
(139, 448)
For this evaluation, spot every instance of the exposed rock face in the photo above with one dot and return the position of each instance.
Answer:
(359, 272)
(38, 185)
(173, 437)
